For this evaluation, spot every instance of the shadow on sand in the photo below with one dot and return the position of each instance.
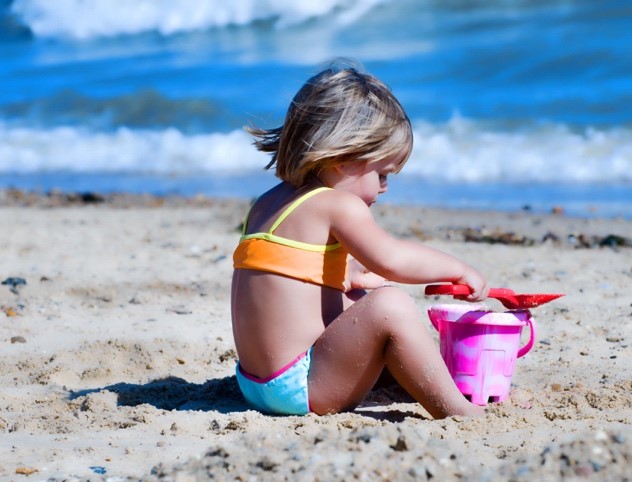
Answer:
(173, 393)
(223, 395)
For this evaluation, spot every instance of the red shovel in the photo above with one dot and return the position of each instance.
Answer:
(506, 296)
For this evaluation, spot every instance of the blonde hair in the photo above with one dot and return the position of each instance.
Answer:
(338, 115)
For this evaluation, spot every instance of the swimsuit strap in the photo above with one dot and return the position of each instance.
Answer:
(293, 206)
(270, 236)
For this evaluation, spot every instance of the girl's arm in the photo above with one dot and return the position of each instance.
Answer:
(403, 261)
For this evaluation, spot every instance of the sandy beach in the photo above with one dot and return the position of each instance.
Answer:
(117, 358)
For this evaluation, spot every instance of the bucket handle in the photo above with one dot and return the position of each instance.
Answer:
(532, 327)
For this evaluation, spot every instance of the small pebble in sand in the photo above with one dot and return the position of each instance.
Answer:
(9, 311)
(25, 471)
(180, 310)
(14, 284)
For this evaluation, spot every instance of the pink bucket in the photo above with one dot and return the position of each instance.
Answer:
(480, 348)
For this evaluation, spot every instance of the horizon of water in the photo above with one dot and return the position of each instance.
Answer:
(514, 104)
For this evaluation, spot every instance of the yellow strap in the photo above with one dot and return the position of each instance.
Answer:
(269, 236)
(293, 206)
(292, 243)
(284, 215)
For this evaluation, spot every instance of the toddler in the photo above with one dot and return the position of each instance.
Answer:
(313, 321)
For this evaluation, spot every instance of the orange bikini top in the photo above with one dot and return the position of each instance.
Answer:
(324, 265)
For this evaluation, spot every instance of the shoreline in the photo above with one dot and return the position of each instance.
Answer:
(118, 361)
(592, 200)
(522, 227)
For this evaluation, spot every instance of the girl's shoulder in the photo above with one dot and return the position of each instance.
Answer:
(316, 199)
(344, 200)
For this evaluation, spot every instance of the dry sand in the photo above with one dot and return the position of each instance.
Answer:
(117, 358)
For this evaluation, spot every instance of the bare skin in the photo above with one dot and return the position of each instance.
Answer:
(354, 337)
(382, 329)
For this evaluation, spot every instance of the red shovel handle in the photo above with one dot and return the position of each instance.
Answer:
(506, 296)
(464, 290)
(455, 290)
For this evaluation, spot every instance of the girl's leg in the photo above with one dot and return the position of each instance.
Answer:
(381, 328)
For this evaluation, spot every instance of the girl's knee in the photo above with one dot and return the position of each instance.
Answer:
(392, 303)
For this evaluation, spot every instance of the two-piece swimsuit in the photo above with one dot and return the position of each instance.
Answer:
(285, 391)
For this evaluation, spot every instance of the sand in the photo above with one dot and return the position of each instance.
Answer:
(117, 359)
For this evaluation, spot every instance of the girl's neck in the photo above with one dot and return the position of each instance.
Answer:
(315, 181)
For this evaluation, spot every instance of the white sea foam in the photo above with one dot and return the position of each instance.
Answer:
(26, 150)
(462, 150)
(458, 151)
(106, 18)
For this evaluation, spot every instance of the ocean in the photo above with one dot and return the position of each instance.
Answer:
(523, 104)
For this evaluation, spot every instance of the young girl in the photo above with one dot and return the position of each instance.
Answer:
(310, 338)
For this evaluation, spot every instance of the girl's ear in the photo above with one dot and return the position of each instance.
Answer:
(349, 168)
(336, 170)
(340, 168)
(335, 173)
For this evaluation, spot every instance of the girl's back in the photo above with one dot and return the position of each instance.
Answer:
(276, 317)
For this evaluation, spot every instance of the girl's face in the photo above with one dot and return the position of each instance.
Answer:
(368, 180)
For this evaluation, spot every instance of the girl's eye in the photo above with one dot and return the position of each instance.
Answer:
(383, 177)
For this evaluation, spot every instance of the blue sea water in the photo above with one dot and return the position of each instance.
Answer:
(514, 104)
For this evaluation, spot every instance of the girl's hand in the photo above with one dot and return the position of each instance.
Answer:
(477, 283)
(359, 277)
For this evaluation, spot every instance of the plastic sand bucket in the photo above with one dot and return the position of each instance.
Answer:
(480, 348)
